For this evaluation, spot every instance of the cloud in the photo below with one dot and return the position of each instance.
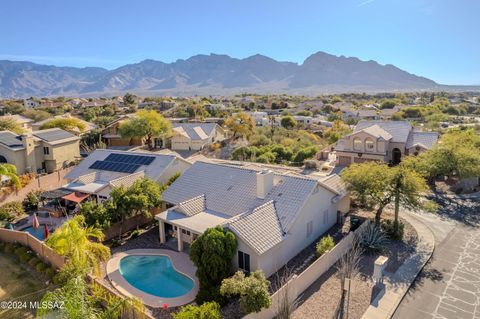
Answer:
(365, 3)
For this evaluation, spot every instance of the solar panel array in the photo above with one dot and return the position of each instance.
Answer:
(122, 163)
(130, 159)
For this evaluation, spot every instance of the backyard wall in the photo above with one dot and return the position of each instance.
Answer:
(43, 251)
(128, 225)
(299, 283)
(45, 183)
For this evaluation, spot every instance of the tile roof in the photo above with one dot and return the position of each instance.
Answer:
(192, 206)
(399, 130)
(154, 170)
(377, 131)
(232, 190)
(260, 228)
(426, 139)
(196, 131)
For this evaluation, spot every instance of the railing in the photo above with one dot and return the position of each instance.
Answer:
(289, 292)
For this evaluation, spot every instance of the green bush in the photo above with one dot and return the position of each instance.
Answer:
(373, 239)
(34, 261)
(10, 248)
(41, 267)
(20, 251)
(11, 210)
(135, 233)
(31, 201)
(325, 244)
(208, 310)
(25, 257)
(393, 229)
(50, 272)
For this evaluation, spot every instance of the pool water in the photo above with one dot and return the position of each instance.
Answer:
(38, 233)
(155, 275)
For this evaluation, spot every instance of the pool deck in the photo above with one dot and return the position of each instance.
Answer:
(181, 262)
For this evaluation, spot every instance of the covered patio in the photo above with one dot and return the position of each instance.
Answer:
(185, 229)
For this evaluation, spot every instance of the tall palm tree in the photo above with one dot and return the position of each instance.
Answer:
(72, 240)
(10, 171)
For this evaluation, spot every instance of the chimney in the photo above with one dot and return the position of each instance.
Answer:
(264, 183)
(29, 144)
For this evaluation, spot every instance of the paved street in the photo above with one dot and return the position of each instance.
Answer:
(449, 285)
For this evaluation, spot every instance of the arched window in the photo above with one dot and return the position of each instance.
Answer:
(369, 145)
(357, 144)
(3, 159)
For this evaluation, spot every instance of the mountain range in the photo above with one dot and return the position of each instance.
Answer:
(210, 74)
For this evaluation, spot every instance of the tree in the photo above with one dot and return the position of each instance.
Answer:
(9, 124)
(212, 254)
(37, 115)
(208, 310)
(241, 123)
(10, 171)
(146, 124)
(129, 99)
(253, 290)
(336, 132)
(96, 214)
(72, 240)
(67, 124)
(376, 185)
(288, 122)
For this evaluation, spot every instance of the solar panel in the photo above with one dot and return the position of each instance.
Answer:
(114, 167)
(130, 159)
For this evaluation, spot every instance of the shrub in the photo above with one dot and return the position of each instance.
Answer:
(311, 164)
(393, 229)
(25, 257)
(20, 251)
(325, 244)
(2, 246)
(41, 267)
(208, 310)
(34, 261)
(50, 272)
(10, 248)
(30, 203)
(373, 239)
(135, 234)
(253, 290)
(11, 210)
(304, 154)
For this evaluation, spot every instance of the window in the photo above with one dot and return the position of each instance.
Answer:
(184, 231)
(46, 150)
(243, 261)
(369, 145)
(309, 228)
(357, 144)
(188, 232)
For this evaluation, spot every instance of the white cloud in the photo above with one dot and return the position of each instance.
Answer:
(365, 3)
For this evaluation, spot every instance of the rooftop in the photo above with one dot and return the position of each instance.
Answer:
(195, 131)
(399, 130)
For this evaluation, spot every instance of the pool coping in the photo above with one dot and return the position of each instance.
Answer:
(181, 263)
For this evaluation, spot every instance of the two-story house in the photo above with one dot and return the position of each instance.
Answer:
(385, 141)
(46, 150)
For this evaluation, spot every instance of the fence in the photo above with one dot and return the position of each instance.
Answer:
(299, 283)
(128, 224)
(45, 253)
(45, 183)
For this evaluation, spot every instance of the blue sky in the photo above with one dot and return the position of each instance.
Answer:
(438, 39)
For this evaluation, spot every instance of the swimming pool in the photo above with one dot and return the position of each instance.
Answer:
(38, 233)
(155, 275)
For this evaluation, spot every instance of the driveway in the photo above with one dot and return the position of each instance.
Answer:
(449, 285)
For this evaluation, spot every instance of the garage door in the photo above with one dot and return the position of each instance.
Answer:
(344, 160)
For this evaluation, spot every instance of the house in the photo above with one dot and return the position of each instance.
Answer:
(194, 136)
(105, 169)
(24, 122)
(112, 138)
(274, 214)
(260, 118)
(47, 150)
(385, 141)
(88, 126)
(368, 114)
(30, 103)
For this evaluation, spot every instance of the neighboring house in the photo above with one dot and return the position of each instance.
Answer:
(30, 103)
(194, 136)
(88, 126)
(273, 214)
(105, 169)
(260, 118)
(52, 104)
(112, 138)
(385, 141)
(24, 122)
(47, 150)
(368, 114)
(215, 107)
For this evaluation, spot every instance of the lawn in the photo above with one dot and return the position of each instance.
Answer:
(18, 284)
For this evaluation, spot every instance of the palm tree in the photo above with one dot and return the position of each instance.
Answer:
(10, 171)
(72, 240)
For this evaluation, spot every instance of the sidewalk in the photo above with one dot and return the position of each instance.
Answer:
(396, 286)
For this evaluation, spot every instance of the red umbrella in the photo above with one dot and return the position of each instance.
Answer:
(35, 222)
(46, 232)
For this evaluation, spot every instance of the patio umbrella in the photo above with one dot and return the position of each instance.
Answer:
(35, 222)
(46, 232)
